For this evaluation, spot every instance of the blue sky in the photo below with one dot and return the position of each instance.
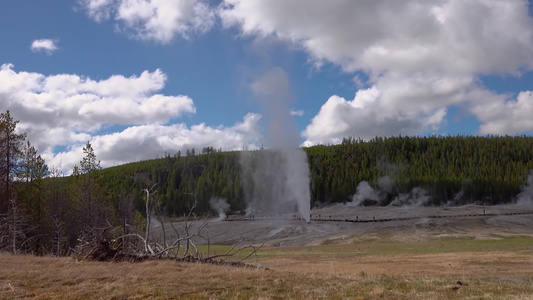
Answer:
(140, 78)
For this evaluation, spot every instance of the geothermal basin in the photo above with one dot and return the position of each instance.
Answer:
(343, 224)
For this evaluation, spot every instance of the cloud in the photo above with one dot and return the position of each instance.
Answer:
(411, 60)
(392, 106)
(44, 45)
(298, 113)
(98, 10)
(153, 140)
(361, 116)
(500, 115)
(420, 57)
(153, 20)
(67, 110)
(451, 35)
(86, 104)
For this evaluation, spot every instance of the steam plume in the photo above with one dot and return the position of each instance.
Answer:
(365, 194)
(277, 179)
(417, 197)
(220, 205)
(526, 195)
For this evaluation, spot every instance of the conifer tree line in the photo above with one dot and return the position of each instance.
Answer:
(43, 212)
(457, 169)
(451, 170)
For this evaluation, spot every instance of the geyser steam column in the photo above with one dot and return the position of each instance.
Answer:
(297, 183)
(277, 180)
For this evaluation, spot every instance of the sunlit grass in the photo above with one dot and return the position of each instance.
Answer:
(445, 244)
(379, 268)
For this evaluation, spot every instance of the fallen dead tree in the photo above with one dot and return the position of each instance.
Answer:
(103, 247)
(110, 244)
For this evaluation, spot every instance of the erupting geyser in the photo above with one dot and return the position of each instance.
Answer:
(277, 180)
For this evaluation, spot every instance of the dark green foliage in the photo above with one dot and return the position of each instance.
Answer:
(463, 169)
(89, 199)
(180, 179)
(11, 144)
(487, 170)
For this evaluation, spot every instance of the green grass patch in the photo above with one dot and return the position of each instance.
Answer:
(388, 246)
(374, 246)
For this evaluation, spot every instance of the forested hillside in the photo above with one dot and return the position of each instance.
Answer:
(460, 170)
(180, 180)
(488, 170)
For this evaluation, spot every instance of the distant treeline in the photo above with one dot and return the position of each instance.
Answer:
(461, 169)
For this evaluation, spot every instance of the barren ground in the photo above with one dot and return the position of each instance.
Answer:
(419, 224)
(436, 253)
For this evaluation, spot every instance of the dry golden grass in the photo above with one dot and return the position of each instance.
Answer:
(328, 272)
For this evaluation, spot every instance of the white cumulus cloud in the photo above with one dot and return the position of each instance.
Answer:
(361, 116)
(420, 57)
(500, 114)
(67, 110)
(380, 35)
(155, 140)
(154, 20)
(44, 45)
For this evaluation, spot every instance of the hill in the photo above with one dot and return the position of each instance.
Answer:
(442, 170)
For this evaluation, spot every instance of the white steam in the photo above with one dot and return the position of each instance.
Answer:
(456, 199)
(417, 197)
(363, 193)
(367, 195)
(154, 220)
(220, 206)
(385, 189)
(526, 195)
(386, 184)
(278, 179)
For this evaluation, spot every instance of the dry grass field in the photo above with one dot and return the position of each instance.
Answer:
(465, 258)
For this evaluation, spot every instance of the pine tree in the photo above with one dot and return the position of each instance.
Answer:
(31, 172)
(10, 151)
(88, 195)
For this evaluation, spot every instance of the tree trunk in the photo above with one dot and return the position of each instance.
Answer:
(147, 235)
